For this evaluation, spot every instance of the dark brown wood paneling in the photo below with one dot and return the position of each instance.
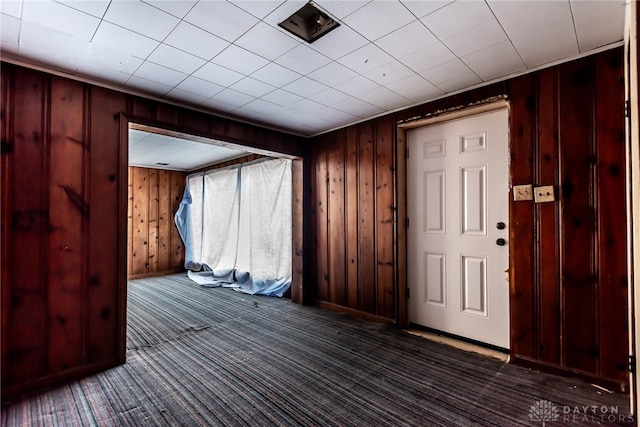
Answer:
(523, 306)
(68, 212)
(25, 352)
(579, 262)
(612, 218)
(321, 264)
(140, 227)
(366, 218)
(336, 215)
(548, 251)
(351, 218)
(165, 220)
(384, 149)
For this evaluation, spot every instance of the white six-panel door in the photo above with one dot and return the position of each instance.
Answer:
(457, 203)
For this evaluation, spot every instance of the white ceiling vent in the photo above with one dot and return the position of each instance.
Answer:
(309, 23)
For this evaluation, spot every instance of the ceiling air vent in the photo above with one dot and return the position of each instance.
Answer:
(309, 23)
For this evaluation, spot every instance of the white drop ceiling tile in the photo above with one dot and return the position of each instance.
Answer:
(356, 86)
(302, 59)
(177, 8)
(329, 96)
(266, 41)
(477, 38)
(282, 97)
(252, 87)
(258, 8)
(218, 105)
(233, 97)
(389, 73)
(200, 87)
(598, 23)
(96, 8)
(121, 39)
(160, 74)
(339, 9)
(451, 76)
(216, 74)
(366, 58)
(332, 74)
(263, 107)
(136, 135)
(384, 98)
(176, 59)
(180, 95)
(379, 18)
(421, 8)
(108, 64)
(305, 87)
(407, 39)
(336, 116)
(415, 88)
(357, 107)
(52, 48)
(307, 106)
(542, 45)
(151, 87)
(484, 63)
(221, 18)
(339, 42)
(11, 7)
(457, 17)
(276, 75)
(240, 60)
(428, 57)
(141, 18)
(182, 37)
(282, 12)
(60, 18)
(9, 30)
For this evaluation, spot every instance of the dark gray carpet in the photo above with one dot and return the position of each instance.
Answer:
(207, 357)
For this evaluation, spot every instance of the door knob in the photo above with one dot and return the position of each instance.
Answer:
(501, 242)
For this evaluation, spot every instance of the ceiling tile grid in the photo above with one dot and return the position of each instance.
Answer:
(231, 57)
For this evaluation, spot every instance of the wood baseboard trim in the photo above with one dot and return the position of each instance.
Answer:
(355, 313)
(155, 274)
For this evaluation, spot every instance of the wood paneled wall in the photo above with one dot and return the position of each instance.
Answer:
(568, 259)
(154, 244)
(64, 219)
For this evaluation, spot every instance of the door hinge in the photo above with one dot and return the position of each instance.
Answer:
(632, 364)
(627, 108)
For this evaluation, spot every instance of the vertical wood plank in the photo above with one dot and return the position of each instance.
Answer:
(154, 197)
(336, 219)
(27, 342)
(129, 220)
(140, 238)
(321, 215)
(177, 247)
(366, 218)
(165, 220)
(577, 159)
(612, 217)
(103, 258)
(522, 91)
(68, 210)
(297, 225)
(548, 250)
(351, 223)
(385, 213)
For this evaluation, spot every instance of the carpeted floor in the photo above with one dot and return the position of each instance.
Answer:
(214, 357)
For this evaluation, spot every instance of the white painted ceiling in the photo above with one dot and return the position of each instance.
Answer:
(231, 58)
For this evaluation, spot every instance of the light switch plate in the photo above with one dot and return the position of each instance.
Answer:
(544, 194)
(522, 192)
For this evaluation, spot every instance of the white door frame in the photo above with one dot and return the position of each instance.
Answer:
(402, 128)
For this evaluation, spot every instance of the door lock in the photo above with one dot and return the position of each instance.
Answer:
(501, 242)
